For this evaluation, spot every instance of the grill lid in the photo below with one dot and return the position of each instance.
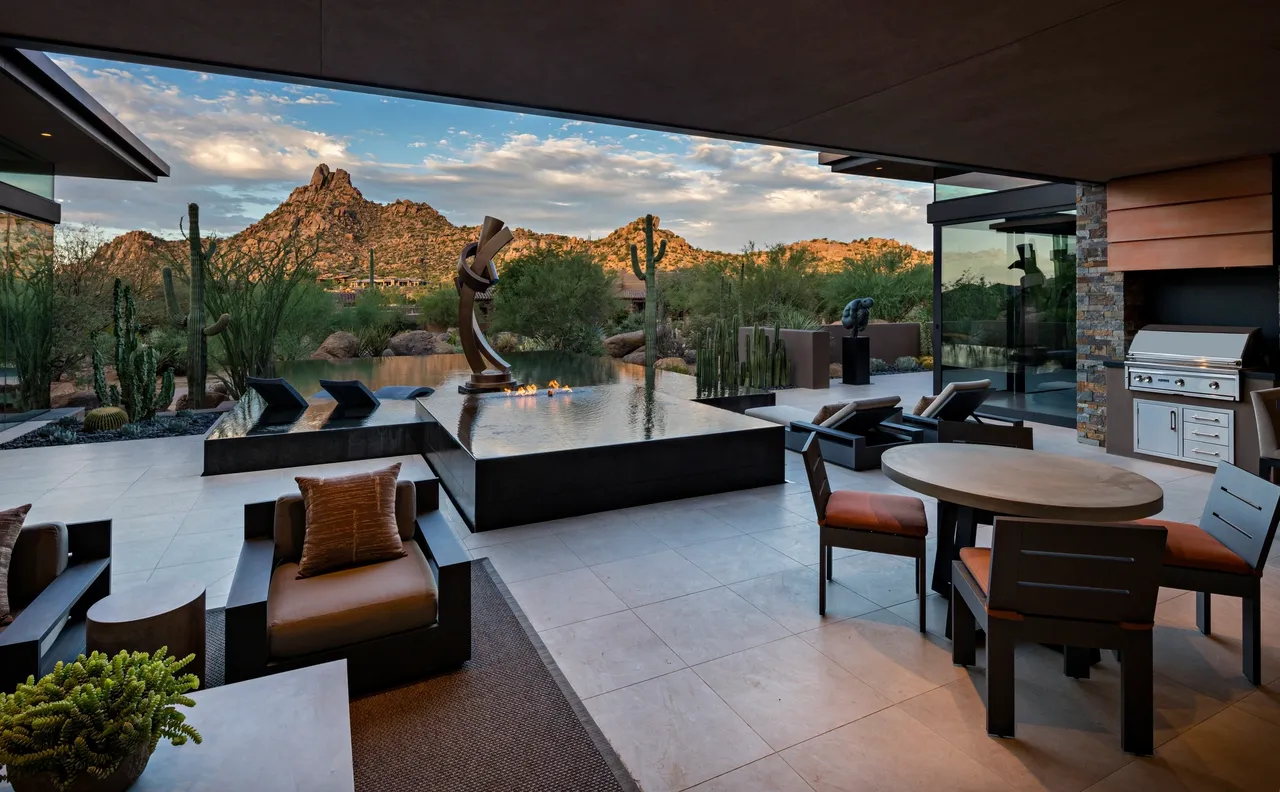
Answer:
(1186, 345)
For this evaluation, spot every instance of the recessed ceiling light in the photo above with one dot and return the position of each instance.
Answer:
(46, 134)
(879, 168)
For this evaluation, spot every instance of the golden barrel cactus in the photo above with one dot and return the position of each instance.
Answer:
(105, 419)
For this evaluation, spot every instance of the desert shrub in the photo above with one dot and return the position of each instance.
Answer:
(561, 295)
(27, 316)
(626, 321)
(797, 319)
(503, 343)
(374, 320)
(311, 316)
(170, 345)
(878, 366)
(439, 308)
(675, 365)
(926, 362)
(900, 285)
(758, 287)
(905, 363)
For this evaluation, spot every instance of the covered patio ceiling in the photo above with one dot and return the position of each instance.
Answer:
(1074, 89)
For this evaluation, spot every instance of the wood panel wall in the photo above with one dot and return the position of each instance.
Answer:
(1212, 216)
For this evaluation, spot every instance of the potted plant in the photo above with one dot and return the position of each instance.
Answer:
(91, 725)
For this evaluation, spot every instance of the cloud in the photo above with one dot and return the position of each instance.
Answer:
(238, 152)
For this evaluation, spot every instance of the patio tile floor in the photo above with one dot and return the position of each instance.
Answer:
(690, 630)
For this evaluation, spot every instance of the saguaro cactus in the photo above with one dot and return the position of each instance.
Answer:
(135, 365)
(649, 275)
(372, 280)
(193, 319)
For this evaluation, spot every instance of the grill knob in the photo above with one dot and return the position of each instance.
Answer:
(1213, 385)
(1147, 378)
(1179, 382)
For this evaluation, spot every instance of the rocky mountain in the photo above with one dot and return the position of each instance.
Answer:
(413, 240)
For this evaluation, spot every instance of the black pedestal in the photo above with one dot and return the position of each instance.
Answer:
(855, 360)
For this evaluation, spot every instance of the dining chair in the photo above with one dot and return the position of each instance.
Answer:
(1266, 416)
(1088, 585)
(1226, 553)
(870, 521)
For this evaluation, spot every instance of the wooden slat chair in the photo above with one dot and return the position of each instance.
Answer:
(870, 521)
(1226, 553)
(1076, 584)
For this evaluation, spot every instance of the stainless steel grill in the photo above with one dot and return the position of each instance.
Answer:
(1192, 361)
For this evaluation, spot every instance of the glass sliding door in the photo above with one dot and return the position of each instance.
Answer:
(1008, 308)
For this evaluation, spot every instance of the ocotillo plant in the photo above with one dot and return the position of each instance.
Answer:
(650, 277)
(135, 365)
(193, 319)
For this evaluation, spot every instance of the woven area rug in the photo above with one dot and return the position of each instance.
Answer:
(507, 720)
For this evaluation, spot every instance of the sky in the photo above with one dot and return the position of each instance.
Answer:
(238, 146)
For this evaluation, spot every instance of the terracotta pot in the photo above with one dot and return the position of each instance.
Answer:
(124, 777)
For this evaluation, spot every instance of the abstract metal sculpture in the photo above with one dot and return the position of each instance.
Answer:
(856, 314)
(489, 372)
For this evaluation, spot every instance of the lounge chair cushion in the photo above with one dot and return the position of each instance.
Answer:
(349, 606)
(941, 399)
(874, 511)
(858, 405)
(403, 392)
(1189, 546)
(38, 558)
(350, 520)
(978, 561)
(780, 414)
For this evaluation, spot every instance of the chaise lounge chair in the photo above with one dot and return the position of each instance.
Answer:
(958, 401)
(852, 435)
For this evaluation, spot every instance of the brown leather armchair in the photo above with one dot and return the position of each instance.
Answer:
(56, 573)
(392, 621)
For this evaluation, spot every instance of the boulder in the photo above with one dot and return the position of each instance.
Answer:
(419, 342)
(835, 371)
(623, 344)
(86, 399)
(211, 399)
(636, 356)
(672, 364)
(338, 346)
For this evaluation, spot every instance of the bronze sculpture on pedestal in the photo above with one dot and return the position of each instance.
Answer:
(489, 372)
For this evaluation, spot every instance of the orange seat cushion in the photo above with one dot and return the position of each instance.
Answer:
(978, 561)
(873, 511)
(1189, 546)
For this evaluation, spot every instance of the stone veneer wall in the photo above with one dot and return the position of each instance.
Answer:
(1100, 313)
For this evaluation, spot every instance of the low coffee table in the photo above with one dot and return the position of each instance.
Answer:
(147, 617)
(280, 733)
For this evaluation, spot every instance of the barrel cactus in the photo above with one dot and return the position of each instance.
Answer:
(105, 419)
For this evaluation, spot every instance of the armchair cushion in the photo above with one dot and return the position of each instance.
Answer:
(349, 606)
(10, 526)
(1189, 546)
(978, 561)
(39, 556)
(873, 511)
(350, 520)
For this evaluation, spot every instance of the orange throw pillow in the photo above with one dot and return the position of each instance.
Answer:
(10, 527)
(351, 520)
(923, 404)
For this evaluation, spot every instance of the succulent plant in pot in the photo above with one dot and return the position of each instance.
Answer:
(91, 725)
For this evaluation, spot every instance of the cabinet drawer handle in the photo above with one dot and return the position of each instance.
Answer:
(1205, 453)
(1195, 417)
(1215, 435)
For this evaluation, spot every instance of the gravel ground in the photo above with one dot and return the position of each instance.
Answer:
(70, 431)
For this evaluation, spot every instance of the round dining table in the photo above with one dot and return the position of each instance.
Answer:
(979, 482)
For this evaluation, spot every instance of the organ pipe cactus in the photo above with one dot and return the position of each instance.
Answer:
(649, 275)
(135, 365)
(193, 320)
(763, 362)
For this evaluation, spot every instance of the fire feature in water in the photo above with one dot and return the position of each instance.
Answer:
(553, 387)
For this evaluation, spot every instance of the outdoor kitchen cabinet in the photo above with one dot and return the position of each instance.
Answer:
(1203, 435)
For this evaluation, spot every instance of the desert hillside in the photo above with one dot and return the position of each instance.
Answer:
(413, 240)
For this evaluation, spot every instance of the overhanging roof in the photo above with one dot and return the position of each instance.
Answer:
(51, 118)
(1073, 89)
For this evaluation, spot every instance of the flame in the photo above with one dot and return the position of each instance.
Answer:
(531, 389)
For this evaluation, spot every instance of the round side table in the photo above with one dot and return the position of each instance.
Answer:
(145, 618)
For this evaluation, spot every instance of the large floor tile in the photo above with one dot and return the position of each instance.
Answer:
(139, 529)
(530, 558)
(600, 544)
(609, 652)
(175, 503)
(162, 487)
(207, 573)
(787, 691)
(564, 597)
(757, 515)
(709, 624)
(119, 475)
(520, 533)
(791, 599)
(1263, 703)
(206, 546)
(935, 614)
(770, 774)
(799, 542)
(889, 751)
(1211, 664)
(1231, 751)
(680, 527)
(883, 579)
(888, 653)
(220, 519)
(737, 558)
(137, 556)
(652, 578)
(673, 732)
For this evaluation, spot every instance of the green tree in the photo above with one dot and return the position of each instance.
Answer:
(311, 316)
(439, 308)
(27, 293)
(560, 294)
(901, 287)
